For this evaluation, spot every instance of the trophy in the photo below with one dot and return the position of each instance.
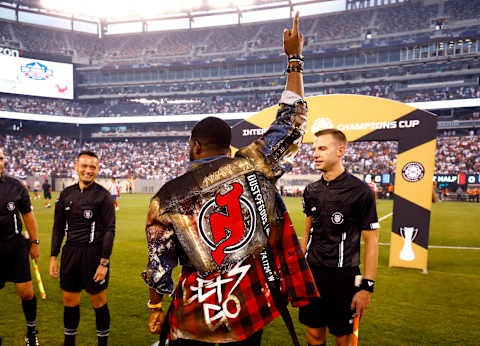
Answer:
(408, 234)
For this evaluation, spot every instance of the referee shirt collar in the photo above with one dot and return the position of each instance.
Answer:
(89, 187)
(338, 179)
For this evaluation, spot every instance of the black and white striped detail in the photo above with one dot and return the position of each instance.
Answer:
(103, 333)
(16, 223)
(309, 242)
(31, 324)
(340, 250)
(70, 331)
(92, 232)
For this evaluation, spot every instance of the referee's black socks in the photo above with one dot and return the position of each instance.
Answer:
(71, 319)
(30, 311)
(103, 324)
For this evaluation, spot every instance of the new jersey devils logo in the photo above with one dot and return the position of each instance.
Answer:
(228, 229)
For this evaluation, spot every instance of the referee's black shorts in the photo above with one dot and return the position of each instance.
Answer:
(47, 195)
(14, 260)
(337, 288)
(78, 266)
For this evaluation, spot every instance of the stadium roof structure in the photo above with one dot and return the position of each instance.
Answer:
(124, 11)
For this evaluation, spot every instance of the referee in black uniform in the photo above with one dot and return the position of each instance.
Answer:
(14, 248)
(339, 209)
(84, 212)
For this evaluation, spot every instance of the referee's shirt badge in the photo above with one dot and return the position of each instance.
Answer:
(337, 218)
(11, 206)
(87, 214)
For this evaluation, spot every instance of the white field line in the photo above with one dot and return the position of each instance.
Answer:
(442, 247)
(385, 217)
(430, 246)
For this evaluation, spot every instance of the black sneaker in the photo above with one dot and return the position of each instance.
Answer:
(31, 339)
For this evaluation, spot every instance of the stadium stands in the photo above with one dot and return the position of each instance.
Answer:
(238, 69)
(430, 66)
(161, 159)
(398, 18)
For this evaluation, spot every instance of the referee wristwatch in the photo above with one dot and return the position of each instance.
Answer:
(367, 285)
(37, 242)
(106, 264)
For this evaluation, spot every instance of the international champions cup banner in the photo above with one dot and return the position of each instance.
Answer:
(366, 118)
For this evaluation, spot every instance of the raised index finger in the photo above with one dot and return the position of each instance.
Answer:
(295, 23)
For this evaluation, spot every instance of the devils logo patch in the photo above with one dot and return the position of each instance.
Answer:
(227, 222)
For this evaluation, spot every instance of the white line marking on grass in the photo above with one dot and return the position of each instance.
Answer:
(385, 217)
(442, 247)
(430, 246)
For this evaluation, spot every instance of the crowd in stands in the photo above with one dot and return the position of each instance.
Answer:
(161, 159)
(245, 102)
(244, 39)
(458, 154)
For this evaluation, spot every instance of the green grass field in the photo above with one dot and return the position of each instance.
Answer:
(408, 307)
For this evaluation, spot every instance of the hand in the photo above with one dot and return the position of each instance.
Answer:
(100, 273)
(53, 267)
(293, 39)
(34, 252)
(155, 321)
(360, 302)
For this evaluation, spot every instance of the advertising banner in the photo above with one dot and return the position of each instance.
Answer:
(36, 77)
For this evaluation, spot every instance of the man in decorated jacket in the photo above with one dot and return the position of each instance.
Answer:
(227, 225)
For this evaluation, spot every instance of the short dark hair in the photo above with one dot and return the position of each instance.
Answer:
(338, 135)
(212, 131)
(88, 153)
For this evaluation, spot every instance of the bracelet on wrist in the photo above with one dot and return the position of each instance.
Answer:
(154, 307)
(367, 285)
(105, 264)
(296, 57)
(296, 68)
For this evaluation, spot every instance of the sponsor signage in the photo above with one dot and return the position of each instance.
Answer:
(9, 52)
(385, 178)
(445, 178)
(35, 77)
(472, 179)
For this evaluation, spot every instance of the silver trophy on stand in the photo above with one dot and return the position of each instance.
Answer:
(408, 234)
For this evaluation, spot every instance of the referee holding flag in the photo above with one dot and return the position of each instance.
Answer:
(14, 248)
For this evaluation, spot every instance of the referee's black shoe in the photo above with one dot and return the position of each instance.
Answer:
(31, 339)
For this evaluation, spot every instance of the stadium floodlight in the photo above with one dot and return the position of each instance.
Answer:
(117, 8)
(192, 4)
(218, 3)
(242, 3)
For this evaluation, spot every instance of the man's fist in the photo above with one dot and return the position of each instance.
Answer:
(293, 39)
(155, 321)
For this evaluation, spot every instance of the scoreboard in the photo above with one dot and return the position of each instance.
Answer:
(36, 77)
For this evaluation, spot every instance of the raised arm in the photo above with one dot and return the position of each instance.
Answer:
(293, 46)
(273, 154)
